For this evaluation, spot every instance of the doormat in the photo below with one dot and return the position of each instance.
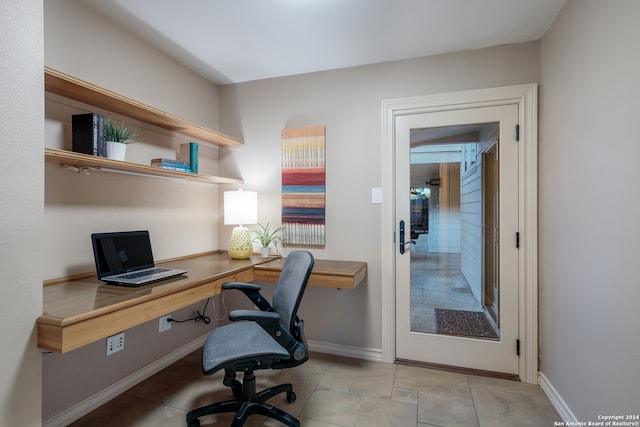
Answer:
(464, 323)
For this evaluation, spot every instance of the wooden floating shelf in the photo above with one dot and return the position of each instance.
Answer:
(87, 162)
(70, 87)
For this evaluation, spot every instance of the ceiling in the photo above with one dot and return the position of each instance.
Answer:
(233, 41)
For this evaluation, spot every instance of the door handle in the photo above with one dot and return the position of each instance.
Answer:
(402, 242)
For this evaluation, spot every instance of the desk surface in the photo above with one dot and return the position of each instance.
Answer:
(75, 300)
(326, 273)
(80, 311)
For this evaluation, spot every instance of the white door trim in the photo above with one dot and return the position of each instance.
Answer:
(526, 96)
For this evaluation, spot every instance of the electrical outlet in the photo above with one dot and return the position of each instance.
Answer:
(164, 324)
(115, 343)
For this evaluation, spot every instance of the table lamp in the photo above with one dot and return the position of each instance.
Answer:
(240, 208)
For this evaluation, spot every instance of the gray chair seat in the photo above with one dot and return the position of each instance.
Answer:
(242, 340)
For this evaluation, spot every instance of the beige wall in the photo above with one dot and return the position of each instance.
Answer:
(348, 102)
(181, 217)
(589, 207)
(21, 195)
(85, 45)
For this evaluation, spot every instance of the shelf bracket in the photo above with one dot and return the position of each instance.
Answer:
(77, 169)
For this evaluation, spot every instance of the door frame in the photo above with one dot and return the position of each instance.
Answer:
(526, 96)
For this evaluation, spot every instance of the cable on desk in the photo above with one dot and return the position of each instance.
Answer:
(200, 317)
(223, 305)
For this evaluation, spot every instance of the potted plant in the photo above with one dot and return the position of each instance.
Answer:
(117, 137)
(266, 237)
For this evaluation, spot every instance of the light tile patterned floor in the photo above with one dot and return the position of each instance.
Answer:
(336, 391)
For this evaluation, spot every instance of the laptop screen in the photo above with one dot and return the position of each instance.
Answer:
(120, 252)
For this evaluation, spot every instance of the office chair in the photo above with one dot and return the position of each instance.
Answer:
(269, 338)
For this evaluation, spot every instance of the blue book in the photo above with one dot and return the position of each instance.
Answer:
(189, 153)
(171, 164)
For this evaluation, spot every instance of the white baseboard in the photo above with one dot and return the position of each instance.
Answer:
(373, 354)
(91, 403)
(556, 400)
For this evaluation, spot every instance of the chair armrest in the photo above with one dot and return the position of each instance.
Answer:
(242, 286)
(252, 292)
(268, 320)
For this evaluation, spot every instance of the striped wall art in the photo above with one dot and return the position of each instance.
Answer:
(303, 186)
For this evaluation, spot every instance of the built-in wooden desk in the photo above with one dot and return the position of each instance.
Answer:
(332, 274)
(84, 310)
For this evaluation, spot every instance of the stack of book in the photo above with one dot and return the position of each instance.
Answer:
(88, 134)
(171, 164)
(187, 159)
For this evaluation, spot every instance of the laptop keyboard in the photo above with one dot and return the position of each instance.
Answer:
(135, 275)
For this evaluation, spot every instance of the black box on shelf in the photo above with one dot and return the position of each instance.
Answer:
(88, 134)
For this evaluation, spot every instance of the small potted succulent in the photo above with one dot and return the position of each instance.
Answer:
(117, 138)
(266, 237)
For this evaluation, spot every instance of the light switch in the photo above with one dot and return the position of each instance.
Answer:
(376, 195)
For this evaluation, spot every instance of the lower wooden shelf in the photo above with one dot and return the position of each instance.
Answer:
(86, 163)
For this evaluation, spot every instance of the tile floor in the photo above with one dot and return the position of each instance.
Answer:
(336, 391)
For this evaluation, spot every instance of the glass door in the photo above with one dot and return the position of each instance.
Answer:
(456, 276)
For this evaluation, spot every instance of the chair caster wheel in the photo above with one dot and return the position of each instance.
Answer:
(291, 396)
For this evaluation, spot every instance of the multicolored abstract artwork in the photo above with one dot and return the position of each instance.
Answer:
(303, 186)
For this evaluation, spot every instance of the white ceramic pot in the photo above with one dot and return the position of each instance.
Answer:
(265, 252)
(116, 150)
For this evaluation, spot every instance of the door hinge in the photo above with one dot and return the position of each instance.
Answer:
(517, 240)
(518, 347)
(517, 132)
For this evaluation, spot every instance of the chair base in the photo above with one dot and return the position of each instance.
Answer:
(248, 403)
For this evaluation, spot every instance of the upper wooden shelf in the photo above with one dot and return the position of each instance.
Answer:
(80, 160)
(79, 90)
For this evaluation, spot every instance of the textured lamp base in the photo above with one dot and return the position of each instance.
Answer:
(240, 246)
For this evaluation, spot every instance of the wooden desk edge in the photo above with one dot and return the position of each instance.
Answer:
(65, 334)
(321, 278)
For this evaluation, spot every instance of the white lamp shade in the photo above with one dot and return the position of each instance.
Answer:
(240, 207)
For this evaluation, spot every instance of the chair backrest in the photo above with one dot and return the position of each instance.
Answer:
(290, 287)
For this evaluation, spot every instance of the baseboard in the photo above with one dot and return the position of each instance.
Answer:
(556, 400)
(93, 402)
(372, 354)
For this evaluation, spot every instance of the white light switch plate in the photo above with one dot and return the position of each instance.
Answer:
(376, 195)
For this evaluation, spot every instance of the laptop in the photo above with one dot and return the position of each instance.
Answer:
(125, 258)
